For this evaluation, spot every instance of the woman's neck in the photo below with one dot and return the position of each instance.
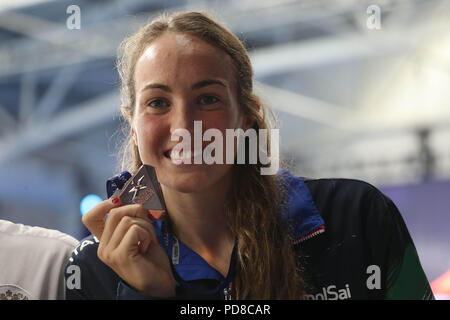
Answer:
(199, 219)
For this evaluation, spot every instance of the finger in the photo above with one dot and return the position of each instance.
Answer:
(135, 241)
(94, 219)
(116, 215)
(123, 226)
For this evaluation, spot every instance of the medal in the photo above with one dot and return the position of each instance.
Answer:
(141, 188)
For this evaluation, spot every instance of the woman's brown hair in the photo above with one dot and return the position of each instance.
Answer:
(267, 267)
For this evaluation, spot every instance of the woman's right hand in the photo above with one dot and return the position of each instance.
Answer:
(129, 246)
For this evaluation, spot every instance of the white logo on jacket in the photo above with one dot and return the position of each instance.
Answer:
(13, 292)
(330, 293)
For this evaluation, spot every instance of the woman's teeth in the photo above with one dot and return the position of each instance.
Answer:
(185, 155)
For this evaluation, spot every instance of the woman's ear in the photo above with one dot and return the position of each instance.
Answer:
(249, 121)
(133, 134)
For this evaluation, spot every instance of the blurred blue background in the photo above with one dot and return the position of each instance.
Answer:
(358, 94)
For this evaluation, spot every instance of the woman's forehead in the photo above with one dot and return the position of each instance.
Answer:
(171, 42)
(173, 53)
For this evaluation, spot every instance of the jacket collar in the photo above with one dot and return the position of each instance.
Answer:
(302, 217)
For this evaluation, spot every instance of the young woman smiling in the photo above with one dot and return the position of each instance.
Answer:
(237, 232)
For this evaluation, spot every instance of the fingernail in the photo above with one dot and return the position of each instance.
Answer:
(115, 200)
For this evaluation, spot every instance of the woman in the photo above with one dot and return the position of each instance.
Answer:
(229, 232)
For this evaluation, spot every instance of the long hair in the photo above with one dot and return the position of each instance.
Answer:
(267, 267)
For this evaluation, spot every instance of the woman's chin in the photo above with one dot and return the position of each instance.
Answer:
(196, 180)
(187, 183)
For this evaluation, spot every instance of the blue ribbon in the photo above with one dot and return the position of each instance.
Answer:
(116, 182)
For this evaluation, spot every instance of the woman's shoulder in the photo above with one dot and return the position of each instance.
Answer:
(350, 197)
(341, 185)
(326, 187)
(346, 206)
(355, 209)
(343, 190)
(337, 197)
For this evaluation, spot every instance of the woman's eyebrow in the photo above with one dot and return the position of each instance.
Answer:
(198, 85)
(156, 86)
(207, 82)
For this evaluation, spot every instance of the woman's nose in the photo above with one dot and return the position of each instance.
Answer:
(182, 118)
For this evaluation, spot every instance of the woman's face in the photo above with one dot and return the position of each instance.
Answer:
(180, 79)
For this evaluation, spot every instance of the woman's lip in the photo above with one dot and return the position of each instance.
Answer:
(196, 152)
(185, 155)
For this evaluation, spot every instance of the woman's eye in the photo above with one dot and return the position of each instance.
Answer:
(158, 103)
(208, 99)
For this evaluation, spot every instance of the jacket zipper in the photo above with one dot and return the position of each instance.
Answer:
(310, 235)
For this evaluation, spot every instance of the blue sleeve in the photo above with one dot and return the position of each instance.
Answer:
(125, 292)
